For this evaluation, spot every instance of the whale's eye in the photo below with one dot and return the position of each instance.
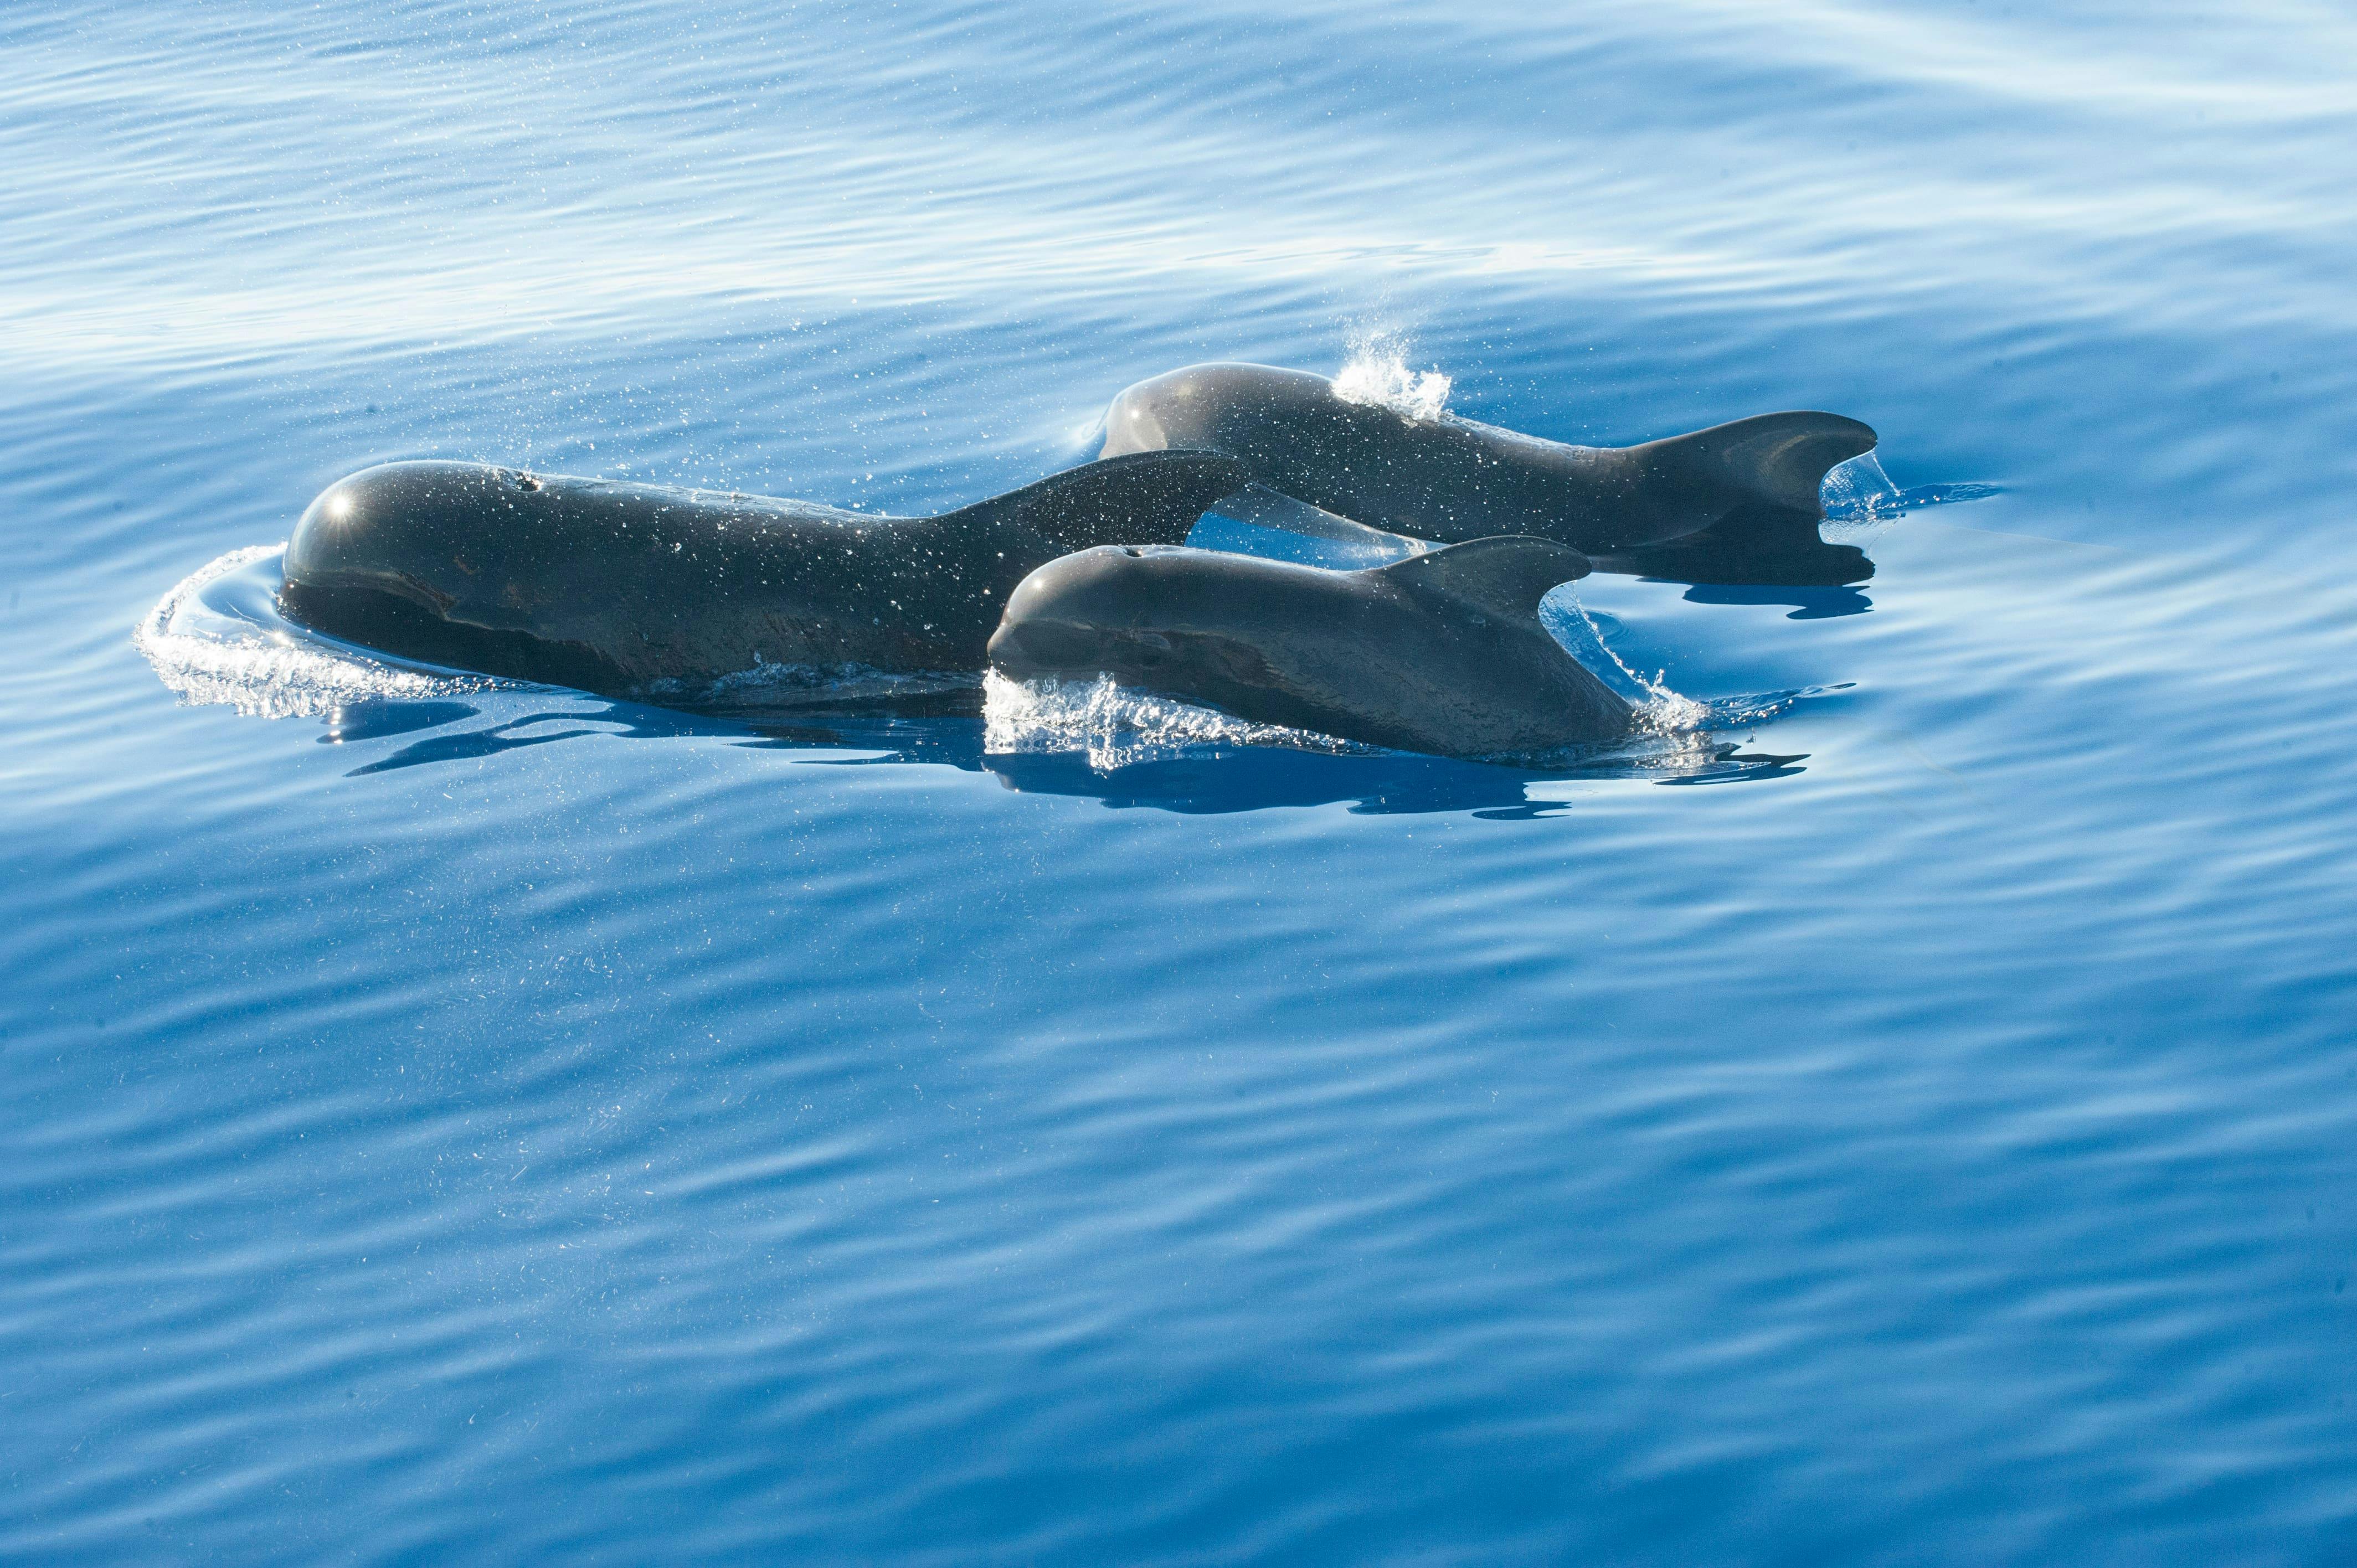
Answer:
(528, 481)
(1133, 552)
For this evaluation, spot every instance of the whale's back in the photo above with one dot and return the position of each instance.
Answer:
(1737, 502)
(610, 587)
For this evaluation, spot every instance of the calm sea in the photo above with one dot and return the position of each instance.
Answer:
(1913, 1119)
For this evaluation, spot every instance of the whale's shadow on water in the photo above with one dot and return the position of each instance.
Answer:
(1201, 780)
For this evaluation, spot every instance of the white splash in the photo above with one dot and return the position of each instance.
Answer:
(240, 654)
(1660, 712)
(1377, 375)
(1859, 501)
(1117, 727)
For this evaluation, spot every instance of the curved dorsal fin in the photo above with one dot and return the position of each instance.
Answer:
(1778, 458)
(1145, 498)
(1506, 574)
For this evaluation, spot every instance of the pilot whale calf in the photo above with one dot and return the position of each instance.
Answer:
(1736, 503)
(1441, 653)
(610, 587)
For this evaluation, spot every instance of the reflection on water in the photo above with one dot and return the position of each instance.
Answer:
(376, 718)
(1198, 778)
(1254, 779)
(540, 728)
(1809, 604)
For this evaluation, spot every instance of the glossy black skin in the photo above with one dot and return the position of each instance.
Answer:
(1736, 503)
(610, 586)
(1395, 656)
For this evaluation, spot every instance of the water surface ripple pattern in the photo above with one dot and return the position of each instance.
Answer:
(468, 1122)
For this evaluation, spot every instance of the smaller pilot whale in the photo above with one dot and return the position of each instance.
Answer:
(1441, 653)
(610, 586)
(1736, 503)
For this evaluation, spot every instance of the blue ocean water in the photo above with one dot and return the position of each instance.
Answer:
(1915, 1121)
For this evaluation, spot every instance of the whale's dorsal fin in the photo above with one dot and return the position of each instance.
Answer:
(1506, 574)
(1144, 498)
(1780, 459)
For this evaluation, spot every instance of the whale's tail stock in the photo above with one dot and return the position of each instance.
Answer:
(1763, 478)
(1141, 498)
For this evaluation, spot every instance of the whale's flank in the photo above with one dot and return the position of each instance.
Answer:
(1441, 653)
(612, 587)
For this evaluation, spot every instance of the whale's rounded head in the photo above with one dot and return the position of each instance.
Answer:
(1102, 611)
(449, 562)
(422, 531)
(1237, 409)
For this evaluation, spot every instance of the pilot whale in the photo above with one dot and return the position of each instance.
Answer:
(610, 587)
(1440, 653)
(1736, 503)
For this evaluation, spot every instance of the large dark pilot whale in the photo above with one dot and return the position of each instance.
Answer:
(1441, 653)
(1736, 503)
(610, 586)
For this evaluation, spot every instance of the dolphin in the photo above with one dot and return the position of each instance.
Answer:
(1736, 503)
(1441, 653)
(610, 586)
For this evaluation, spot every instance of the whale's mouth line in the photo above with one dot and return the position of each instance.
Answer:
(376, 617)
(1055, 647)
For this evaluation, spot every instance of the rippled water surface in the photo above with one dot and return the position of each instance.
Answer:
(1908, 1115)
